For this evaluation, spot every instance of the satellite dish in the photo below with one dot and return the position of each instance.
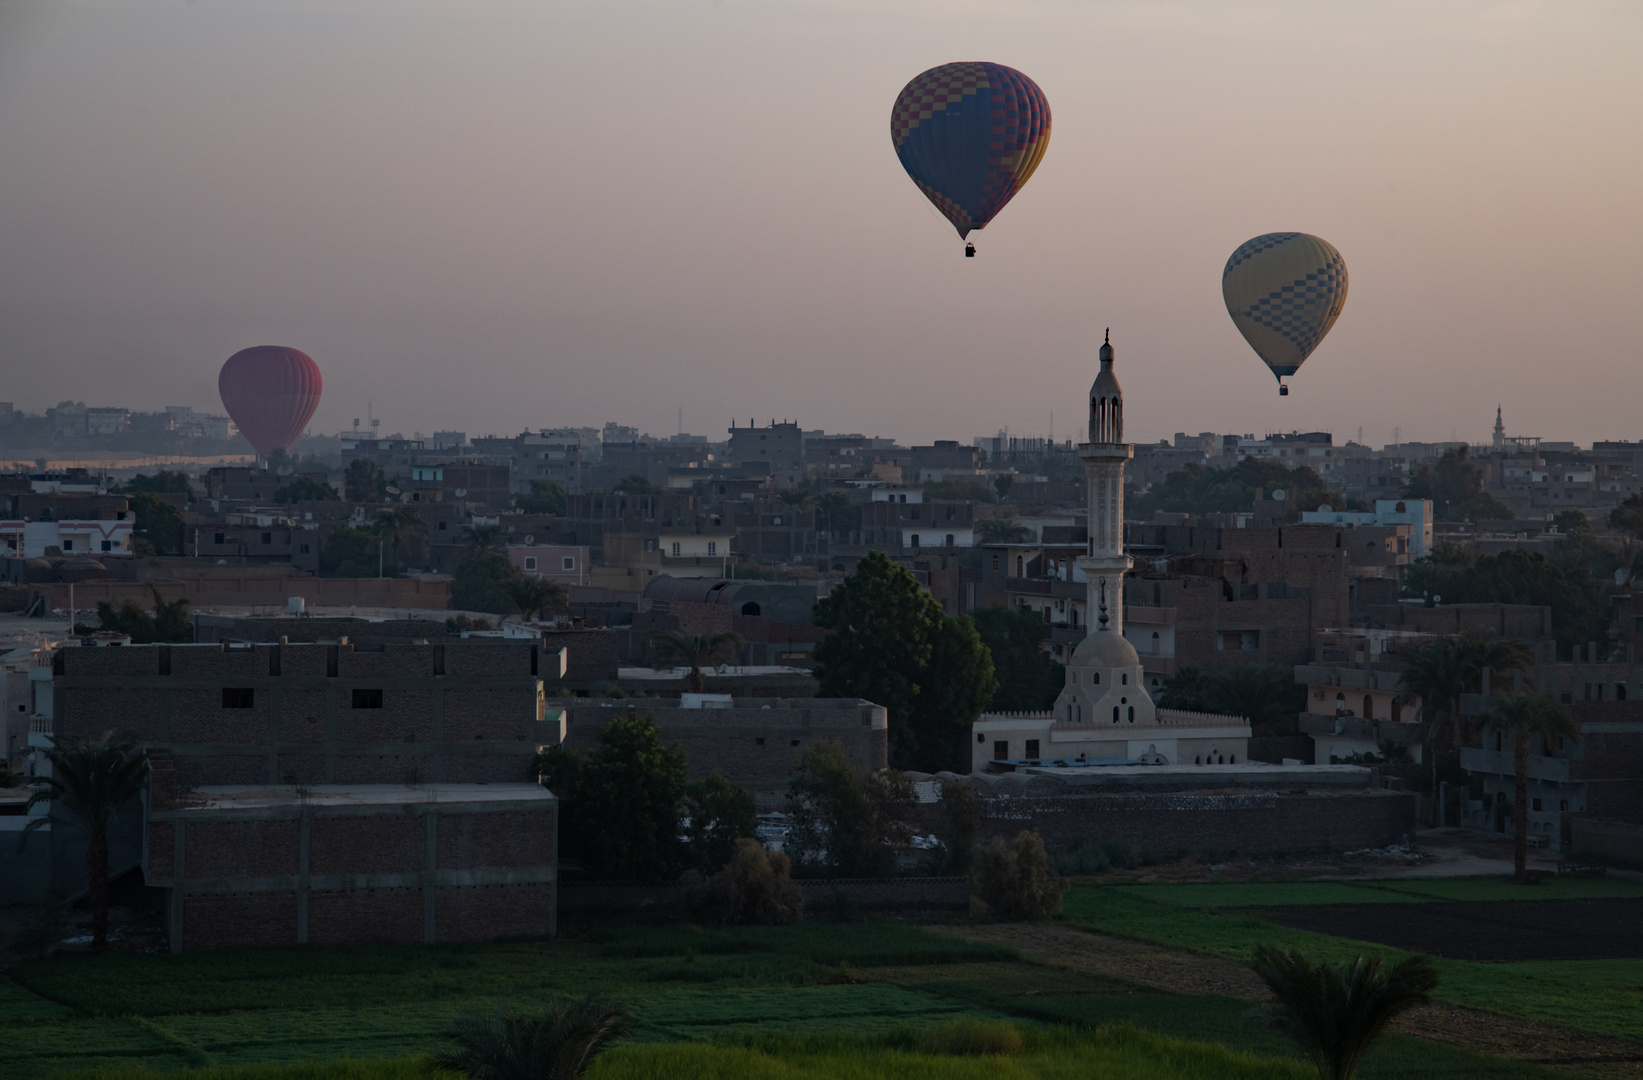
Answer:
(1278, 495)
(461, 493)
(529, 539)
(283, 470)
(1326, 509)
(392, 490)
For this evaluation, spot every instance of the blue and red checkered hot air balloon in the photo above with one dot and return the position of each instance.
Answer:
(271, 391)
(970, 134)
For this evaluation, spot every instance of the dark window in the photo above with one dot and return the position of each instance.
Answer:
(217, 538)
(368, 699)
(1032, 748)
(1534, 804)
(1001, 750)
(268, 538)
(979, 738)
(758, 742)
(68, 545)
(750, 608)
(442, 526)
(108, 545)
(304, 549)
(238, 697)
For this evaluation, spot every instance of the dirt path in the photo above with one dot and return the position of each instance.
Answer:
(1184, 972)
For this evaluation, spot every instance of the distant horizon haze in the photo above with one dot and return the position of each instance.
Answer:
(496, 215)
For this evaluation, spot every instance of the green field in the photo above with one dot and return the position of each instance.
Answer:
(1383, 891)
(1603, 996)
(816, 1000)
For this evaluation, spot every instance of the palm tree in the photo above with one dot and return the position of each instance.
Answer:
(696, 650)
(531, 594)
(1523, 716)
(90, 783)
(482, 539)
(1336, 1011)
(396, 524)
(1004, 530)
(1436, 672)
(509, 1046)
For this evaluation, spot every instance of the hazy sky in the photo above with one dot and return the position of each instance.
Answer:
(492, 215)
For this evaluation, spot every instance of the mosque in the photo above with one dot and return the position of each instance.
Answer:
(1104, 715)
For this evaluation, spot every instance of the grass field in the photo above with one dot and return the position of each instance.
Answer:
(1603, 996)
(817, 1000)
(1383, 891)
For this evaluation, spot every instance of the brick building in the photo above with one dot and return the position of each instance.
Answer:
(334, 792)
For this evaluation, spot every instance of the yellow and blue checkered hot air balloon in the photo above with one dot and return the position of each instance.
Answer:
(1284, 291)
(970, 134)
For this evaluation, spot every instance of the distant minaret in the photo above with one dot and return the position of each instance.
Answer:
(1104, 456)
(1500, 431)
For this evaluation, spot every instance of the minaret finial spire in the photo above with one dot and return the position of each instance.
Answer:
(1107, 340)
(1103, 618)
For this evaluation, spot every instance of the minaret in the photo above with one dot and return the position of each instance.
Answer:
(1104, 457)
(1500, 431)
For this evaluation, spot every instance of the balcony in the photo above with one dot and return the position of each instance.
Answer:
(40, 729)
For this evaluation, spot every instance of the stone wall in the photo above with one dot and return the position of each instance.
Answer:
(821, 896)
(1606, 841)
(1253, 823)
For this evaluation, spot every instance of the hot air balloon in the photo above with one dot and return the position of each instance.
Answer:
(1284, 291)
(271, 391)
(970, 134)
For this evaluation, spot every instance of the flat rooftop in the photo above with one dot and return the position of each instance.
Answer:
(270, 796)
(1183, 777)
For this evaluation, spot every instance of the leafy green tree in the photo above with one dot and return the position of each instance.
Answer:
(545, 497)
(1628, 516)
(635, 485)
(1265, 694)
(161, 482)
(836, 515)
(529, 595)
(694, 651)
(484, 583)
(513, 1046)
(1002, 484)
(158, 527)
(396, 525)
(1199, 489)
(841, 824)
(1578, 600)
(1335, 1012)
(1005, 530)
(1455, 487)
(719, 814)
(364, 481)
(890, 643)
(955, 686)
(1523, 717)
(306, 489)
(1029, 679)
(350, 552)
(169, 623)
(1016, 880)
(90, 783)
(628, 795)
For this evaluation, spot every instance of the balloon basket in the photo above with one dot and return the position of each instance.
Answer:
(1283, 391)
(969, 251)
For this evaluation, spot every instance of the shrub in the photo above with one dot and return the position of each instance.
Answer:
(845, 826)
(720, 814)
(754, 888)
(1085, 858)
(509, 1046)
(1015, 880)
(973, 1038)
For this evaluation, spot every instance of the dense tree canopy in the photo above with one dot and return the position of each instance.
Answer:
(1266, 694)
(1200, 489)
(170, 621)
(1028, 678)
(1574, 583)
(158, 527)
(842, 824)
(1455, 487)
(306, 489)
(629, 792)
(1628, 516)
(545, 497)
(483, 583)
(364, 481)
(163, 481)
(350, 552)
(892, 644)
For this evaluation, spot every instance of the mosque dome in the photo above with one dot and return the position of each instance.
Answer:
(1105, 649)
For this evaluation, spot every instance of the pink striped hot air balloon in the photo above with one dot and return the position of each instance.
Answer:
(271, 391)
